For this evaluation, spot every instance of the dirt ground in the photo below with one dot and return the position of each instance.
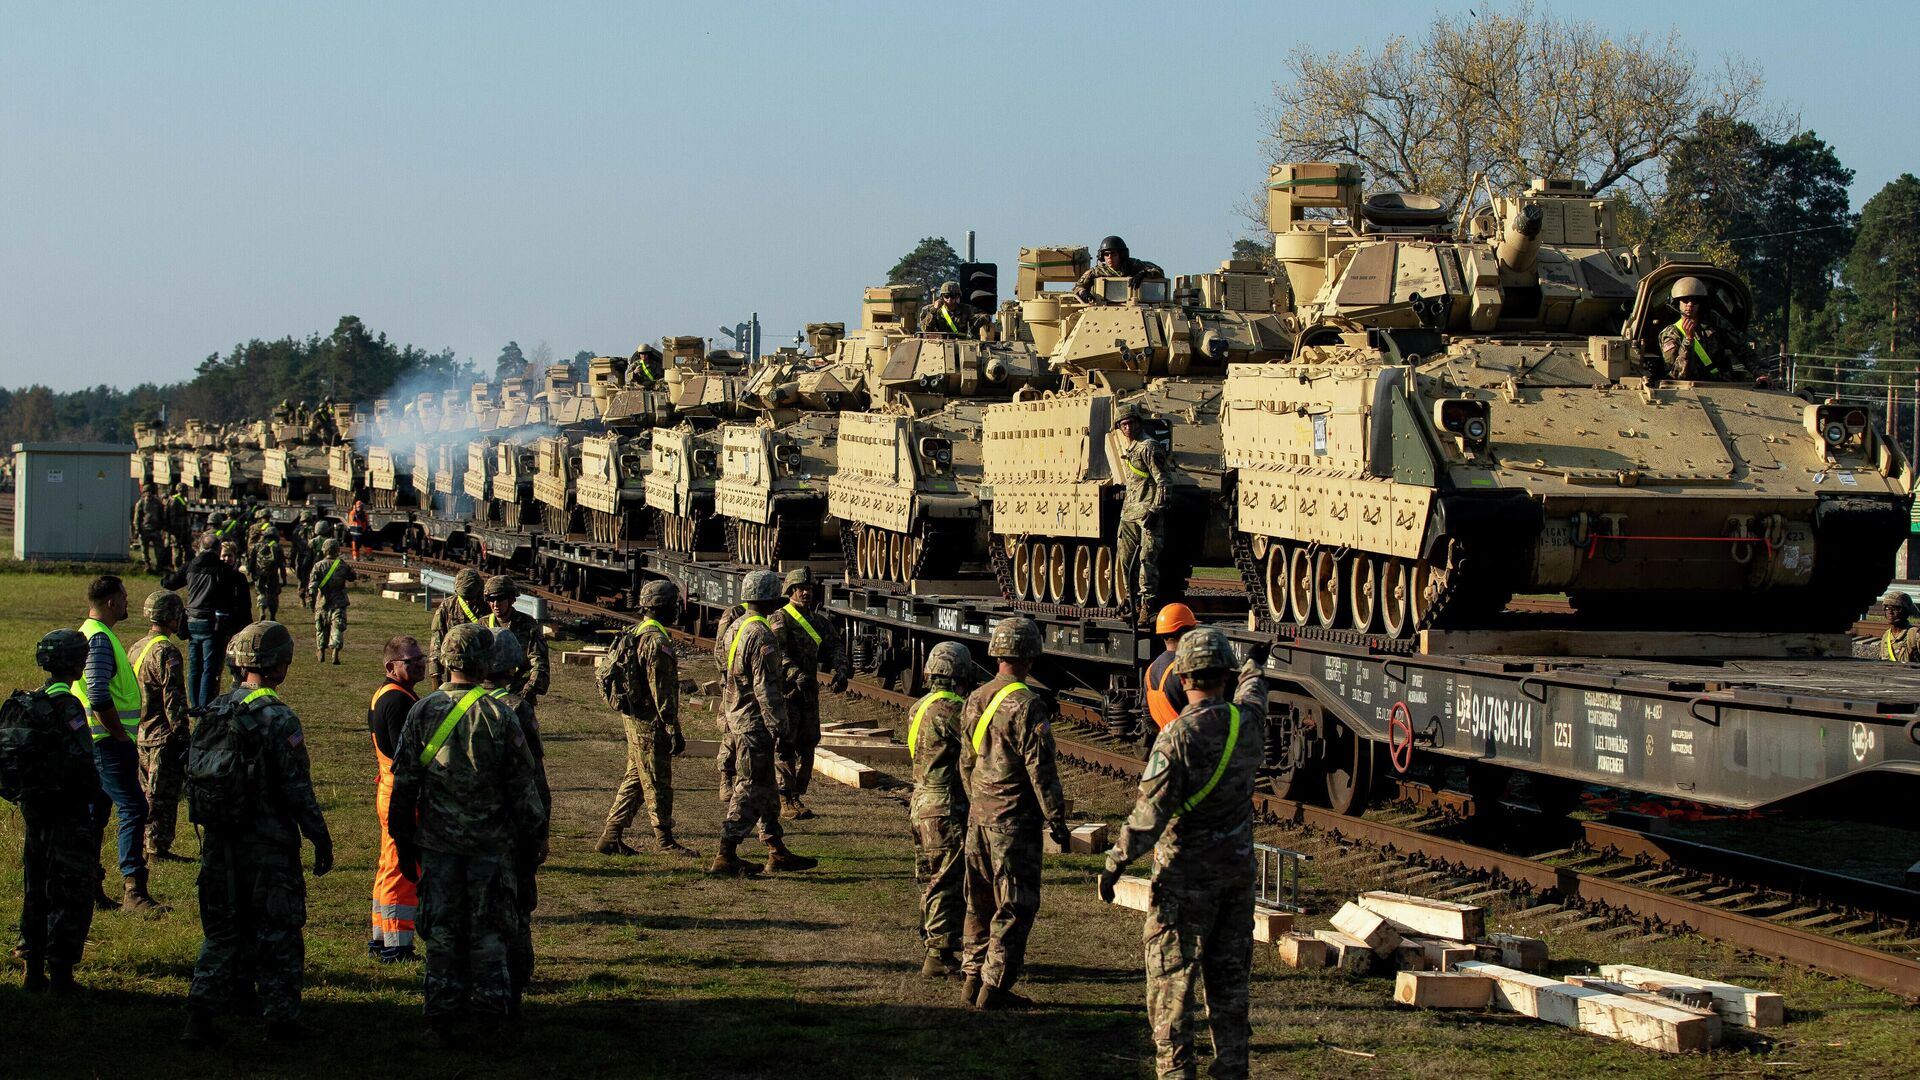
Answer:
(647, 967)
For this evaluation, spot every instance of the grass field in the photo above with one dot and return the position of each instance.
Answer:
(648, 968)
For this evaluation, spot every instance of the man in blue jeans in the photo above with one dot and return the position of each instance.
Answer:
(111, 693)
(203, 578)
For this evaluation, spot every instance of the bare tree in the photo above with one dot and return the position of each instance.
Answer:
(1515, 94)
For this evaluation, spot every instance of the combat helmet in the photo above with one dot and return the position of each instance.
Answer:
(261, 646)
(323, 527)
(502, 586)
(659, 595)
(950, 659)
(1204, 648)
(468, 583)
(950, 291)
(1128, 412)
(61, 650)
(1113, 244)
(164, 607)
(1898, 602)
(330, 548)
(508, 654)
(760, 585)
(797, 577)
(1690, 288)
(1014, 638)
(467, 648)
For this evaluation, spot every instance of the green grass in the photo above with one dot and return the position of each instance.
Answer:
(648, 968)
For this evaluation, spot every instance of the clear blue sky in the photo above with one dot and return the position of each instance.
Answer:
(178, 178)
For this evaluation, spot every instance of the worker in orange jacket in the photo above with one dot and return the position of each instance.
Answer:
(1165, 697)
(357, 526)
(394, 897)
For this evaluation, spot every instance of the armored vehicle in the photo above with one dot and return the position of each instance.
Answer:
(1051, 462)
(556, 469)
(512, 490)
(612, 485)
(1477, 411)
(389, 479)
(235, 472)
(476, 482)
(680, 480)
(450, 462)
(425, 456)
(346, 475)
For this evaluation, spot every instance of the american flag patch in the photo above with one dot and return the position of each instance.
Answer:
(77, 723)
(294, 740)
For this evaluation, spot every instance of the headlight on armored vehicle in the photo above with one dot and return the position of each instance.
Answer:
(1464, 418)
(787, 456)
(937, 453)
(1841, 429)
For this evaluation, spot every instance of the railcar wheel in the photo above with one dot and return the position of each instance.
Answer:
(1103, 576)
(1349, 773)
(1057, 573)
(1363, 591)
(1394, 579)
(1274, 577)
(1299, 583)
(1082, 576)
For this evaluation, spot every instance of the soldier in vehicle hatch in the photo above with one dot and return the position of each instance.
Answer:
(1699, 346)
(1114, 262)
(948, 314)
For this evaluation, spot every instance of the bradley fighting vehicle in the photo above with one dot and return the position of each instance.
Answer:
(235, 469)
(566, 412)
(906, 489)
(1475, 411)
(699, 390)
(1051, 461)
(294, 465)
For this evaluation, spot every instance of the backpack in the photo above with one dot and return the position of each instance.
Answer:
(621, 679)
(224, 767)
(38, 754)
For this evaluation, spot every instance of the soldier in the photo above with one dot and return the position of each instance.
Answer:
(530, 679)
(645, 367)
(1901, 643)
(1143, 523)
(753, 699)
(150, 528)
(949, 314)
(465, 799)
(303, 554)
(253, 901)
(1699, 346)
(267, 570)
(159, 663)
(508, 665)
(810, 642)
(940, 804)
(328, 584)
(1196, 805)
(299, 417)
(1013, 790)
(58, 790)
(468, 604)
(179, 527)
(111, 694)
(641, 681)
(1112, 261)
(394, 900)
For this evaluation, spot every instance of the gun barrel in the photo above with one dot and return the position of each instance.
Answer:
(1520, 242)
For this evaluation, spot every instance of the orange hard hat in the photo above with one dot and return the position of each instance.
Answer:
(1174, 618)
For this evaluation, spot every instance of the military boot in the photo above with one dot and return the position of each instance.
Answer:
(199, 1029)
(337, 650)
(138, 900)
(663, 839)
(611, 844)
(779, 858)
(994, 999)
(729, 860)
(36, 980)
(320, 654)
(60, 979)
(940, 964)
(101, 901)
(795, 809)
(970, 990)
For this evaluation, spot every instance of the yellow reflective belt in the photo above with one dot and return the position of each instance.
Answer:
(328, 576)
(986, 716)
(804, 624)
(1226, 755)
(737, 629)
(913, 729)
(264, 691)
(1887, 643)
(649, 623)
(645, 370)
(141, 660)
(948, 316)
(1137, 470)
(445, 730)
(464, 606)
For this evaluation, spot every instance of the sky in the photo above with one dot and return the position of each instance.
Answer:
(179, 178)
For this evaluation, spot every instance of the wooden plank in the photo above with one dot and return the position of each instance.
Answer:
(1442, 990)
(1715, 1026)
(1432, 954)
(1654, 1026)
(1514, 951)
(845, 770)
(1411, 914)
(1298, 950)
(1737, 1005)
(1347, 952)
(1378, 933)
(1086, 838)
(1269, 925)
(1639, 644)
(1133, 893)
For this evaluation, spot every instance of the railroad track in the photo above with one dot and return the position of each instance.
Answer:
(1610, 876)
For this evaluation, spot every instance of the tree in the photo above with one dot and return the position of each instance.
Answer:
(1879, 298)
(1514, 94)
(931, 263)
(1254, 250)
(512, 363)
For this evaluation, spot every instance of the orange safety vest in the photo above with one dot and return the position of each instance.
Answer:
(1159, 706)
(395, 899)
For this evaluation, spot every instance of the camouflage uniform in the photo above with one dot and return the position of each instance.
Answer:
(60, 851)
(467, 606)
(1901, 645)
(150, 525)
(1128, 268)
(804, 657)
(267, 570)
(1143, 522)
(162, 672)
(531, 682)
(478, 803)
(253, 897)
(753, 700)
(527, 857)
(939, 812)
(328, 585)
(1203, 876)
(650, 737)
(1013, 789)
(1725, 355)
(302, 561)
(179, 529)
(956, 319)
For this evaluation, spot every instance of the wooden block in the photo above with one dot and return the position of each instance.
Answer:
(1440, 955)
(1086, 838)
(1655, 1026)
(1380, 936)
(848, 772)
(1269, 925)
(1715, 1026)
(1514, 951)
(583, 657)
(1442, 990)
(1298, 950)
(403, 577)
(1736, 1005)
(1347, 952)
(1133, 893)
(396, 594)
(1434, 918)
(1409, 956)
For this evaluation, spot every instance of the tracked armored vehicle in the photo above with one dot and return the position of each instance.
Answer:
(612, 485)
(1476, 411)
